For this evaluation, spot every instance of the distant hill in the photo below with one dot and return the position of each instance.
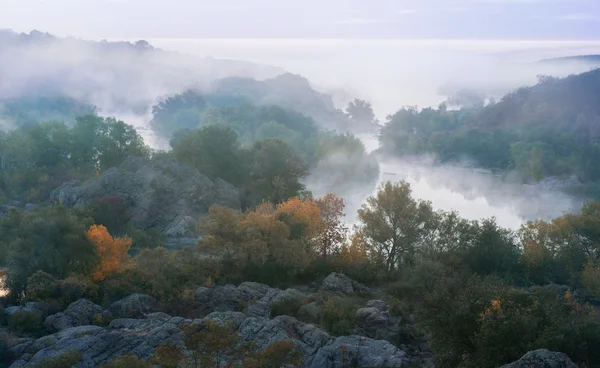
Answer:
(578, 58)
(115, 76)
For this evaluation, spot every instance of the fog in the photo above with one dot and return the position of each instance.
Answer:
(125, 81)
(396, 73)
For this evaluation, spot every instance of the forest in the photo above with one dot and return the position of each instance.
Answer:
(85, 204)
(550, 129)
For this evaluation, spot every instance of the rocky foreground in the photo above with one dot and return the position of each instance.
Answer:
(136, 325)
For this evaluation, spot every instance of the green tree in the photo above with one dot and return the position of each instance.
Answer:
(395, 225)
(275, 172)
(51, 239)
(214, 150)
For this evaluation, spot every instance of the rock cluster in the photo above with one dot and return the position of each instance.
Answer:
(161, 194)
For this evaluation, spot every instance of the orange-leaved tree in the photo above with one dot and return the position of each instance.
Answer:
(303, 217)
(112, 252)
(332, 229)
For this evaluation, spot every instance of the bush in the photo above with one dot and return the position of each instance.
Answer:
(127, 361)
(287, 308)
(65, 360)
(26, 322)
(77, 287)
(338, 317)
(41, 286)
(478, 322)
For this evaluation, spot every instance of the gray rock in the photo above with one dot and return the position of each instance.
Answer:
(37, 310)
(259, 309)
(358, 351)
(141, 337)
(134, 306)
(337, 282)
(310, 312)
(227, 298)
(253, 290)
(542, 358)
(203, 294)
(80, 313)
(98, 345)
(223, 318)
(31, 206)
(163, 194)
(285, 296)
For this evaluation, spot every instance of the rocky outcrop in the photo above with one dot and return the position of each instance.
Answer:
(38, 311)
(359, 351)
(141, 337)
(134, 306)
(80, 313)
(162, 194)
(542, 358)
(337, 282)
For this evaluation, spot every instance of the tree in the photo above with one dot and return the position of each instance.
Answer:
(394, 224)
(112, 252)
(215, 151)
(275, 172)
(302, 216)
(332, 229)
(361, 113)
(182, 111)
(51, 239)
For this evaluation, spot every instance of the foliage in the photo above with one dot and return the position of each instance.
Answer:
(394, 224)
(281, 354)
(50, 239)
(67, 359)
(544, 130)
(127, 361)
(214, 150)
(213, 345)
(275, 172)
(338, 316)
(28, 322)
(332, 227)
(476, 322)
(36, 159)
(112, 252)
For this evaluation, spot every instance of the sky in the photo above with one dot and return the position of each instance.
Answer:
(369, 19)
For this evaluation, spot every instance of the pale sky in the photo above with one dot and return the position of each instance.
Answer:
(405, 19)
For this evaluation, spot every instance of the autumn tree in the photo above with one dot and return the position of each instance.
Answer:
(394, 224)
(332, 230)
(213, 344)
(303, 216)
(112, 252)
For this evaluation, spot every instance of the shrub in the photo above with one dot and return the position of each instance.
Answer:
(287, 307)
(76, 287)
(65, 360)
(26, 322)
(127, 361)
(41, 286)
(338, 317)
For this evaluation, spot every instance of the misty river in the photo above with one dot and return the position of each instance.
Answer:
(474, 193)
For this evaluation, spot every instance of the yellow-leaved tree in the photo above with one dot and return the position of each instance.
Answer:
(112, 252)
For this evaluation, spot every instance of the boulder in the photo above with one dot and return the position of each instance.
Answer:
(134, 306)
(80, 313)
(337, 282)
(279, 297)
(358, 351)
(161, 194)
(99, 345)
(38, 310)
(310, 312)
(542, 358)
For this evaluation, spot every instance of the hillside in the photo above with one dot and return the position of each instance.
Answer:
(549, 129)
(115, 76)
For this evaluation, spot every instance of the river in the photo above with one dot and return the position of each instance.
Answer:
(474, 193)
